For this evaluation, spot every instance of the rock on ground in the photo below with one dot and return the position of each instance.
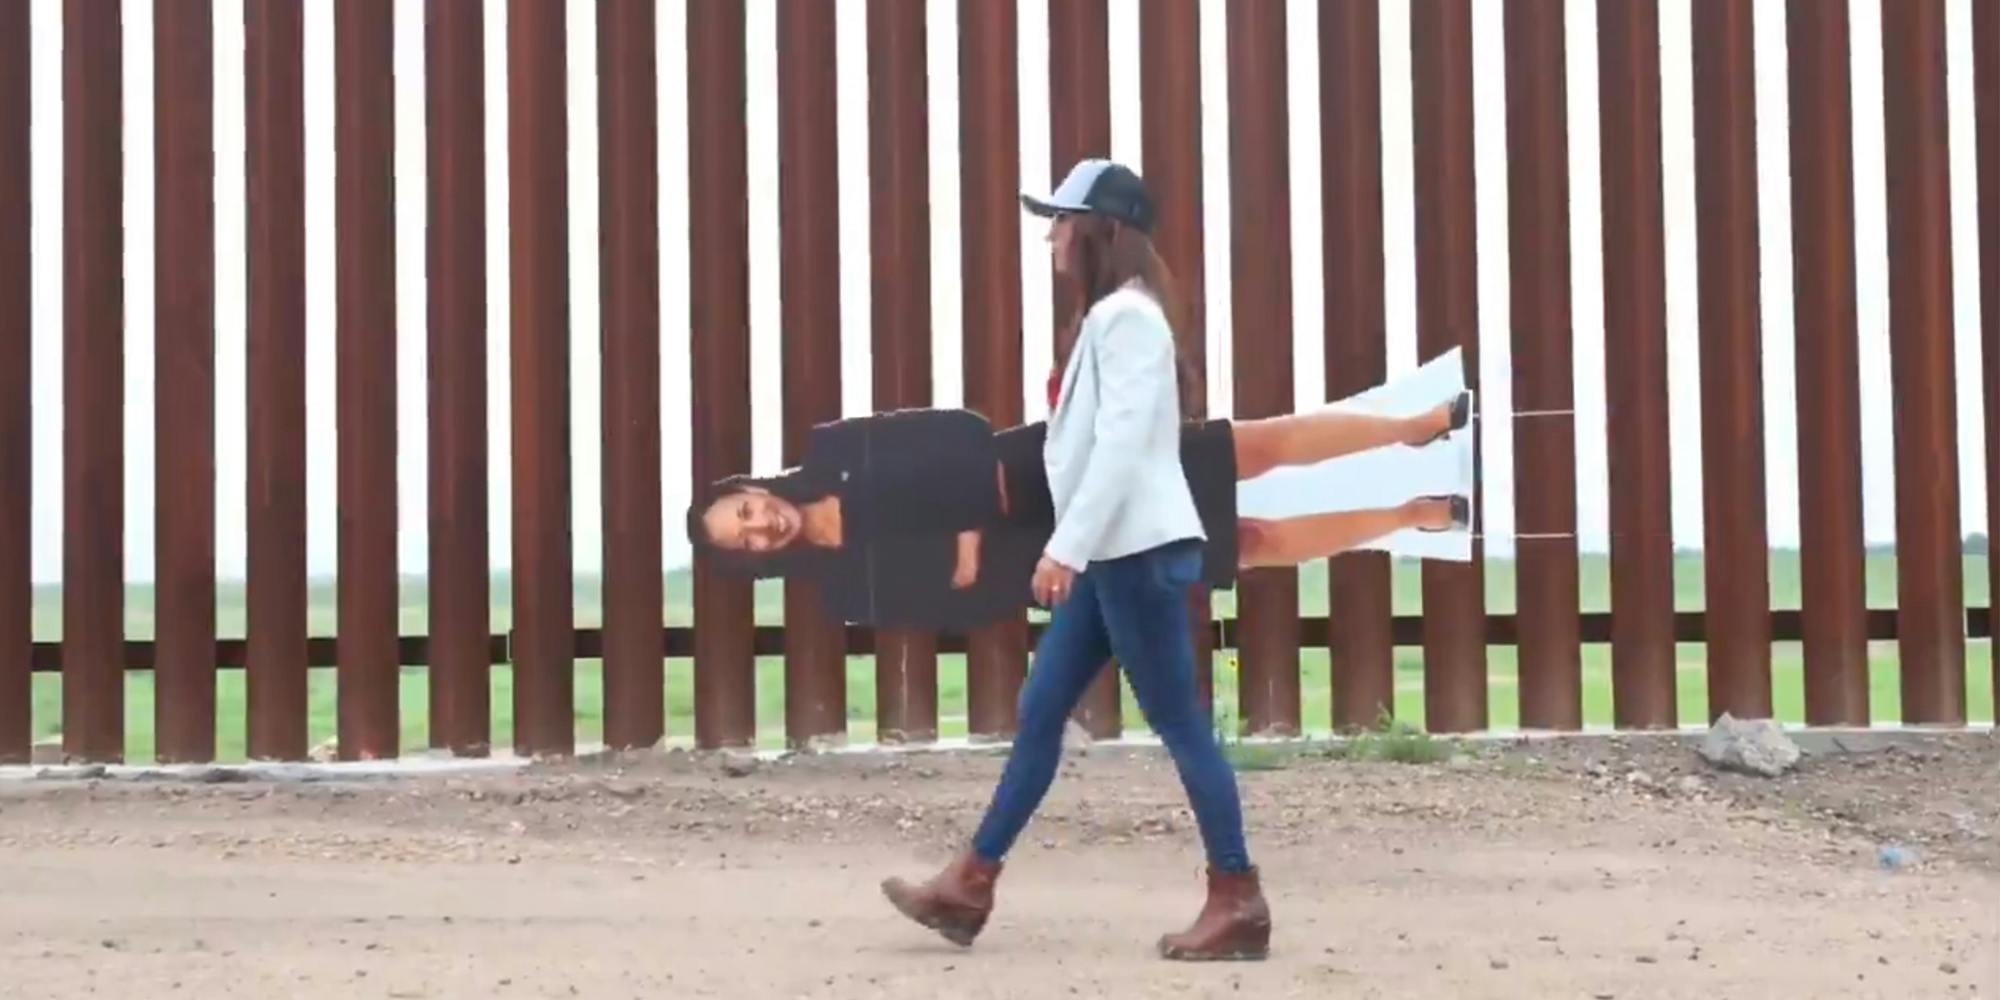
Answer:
(1749, 746)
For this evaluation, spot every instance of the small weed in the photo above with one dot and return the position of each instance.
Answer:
(1225, 727)
(1249, 756)
(1389, 740)
(1397, 742)
(1258, 757)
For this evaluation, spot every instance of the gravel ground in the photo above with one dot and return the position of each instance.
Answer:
(1620, 868)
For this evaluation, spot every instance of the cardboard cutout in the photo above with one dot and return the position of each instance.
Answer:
(1382, 477)
(931, 520)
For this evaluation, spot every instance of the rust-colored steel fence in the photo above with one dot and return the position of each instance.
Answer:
(1930, 621)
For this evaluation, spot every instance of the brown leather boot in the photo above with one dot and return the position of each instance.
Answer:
(1235, 923)
(955, 902)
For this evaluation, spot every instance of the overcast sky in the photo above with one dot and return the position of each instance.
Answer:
(1775, 210)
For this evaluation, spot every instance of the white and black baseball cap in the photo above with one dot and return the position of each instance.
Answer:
(1098, 187)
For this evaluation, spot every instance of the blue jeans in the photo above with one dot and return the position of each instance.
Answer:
(1136, 609)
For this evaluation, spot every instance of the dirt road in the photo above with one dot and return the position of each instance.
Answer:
(1526, 871)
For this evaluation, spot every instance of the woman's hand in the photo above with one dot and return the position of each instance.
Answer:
(1053, 582)
(966, 572)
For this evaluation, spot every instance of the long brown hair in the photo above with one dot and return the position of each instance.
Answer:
(1107, 255)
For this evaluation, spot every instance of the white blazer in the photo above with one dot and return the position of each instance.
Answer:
(1113, 450)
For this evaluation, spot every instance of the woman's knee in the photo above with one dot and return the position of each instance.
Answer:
(1174, 716)
(1041, 717)
(1182, 728)
(1257, 541)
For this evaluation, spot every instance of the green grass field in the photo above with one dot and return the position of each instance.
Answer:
(1787, 667)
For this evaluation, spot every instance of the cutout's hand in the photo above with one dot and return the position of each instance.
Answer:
(966, 571)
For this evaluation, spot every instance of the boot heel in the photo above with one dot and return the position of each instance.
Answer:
(958, 927)
(1234, 924)
(955, 903)
(1254, 945)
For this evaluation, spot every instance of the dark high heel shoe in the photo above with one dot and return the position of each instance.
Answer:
(1461, 415)
(1461, 513)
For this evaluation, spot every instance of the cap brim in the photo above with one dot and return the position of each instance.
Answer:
(1048, 208)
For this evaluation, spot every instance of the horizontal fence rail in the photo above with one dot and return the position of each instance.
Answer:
(681, 136)
(678, 642)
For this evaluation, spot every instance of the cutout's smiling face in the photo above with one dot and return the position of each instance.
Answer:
(752, 521)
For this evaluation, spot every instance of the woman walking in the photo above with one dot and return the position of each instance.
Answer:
(1126, 547)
